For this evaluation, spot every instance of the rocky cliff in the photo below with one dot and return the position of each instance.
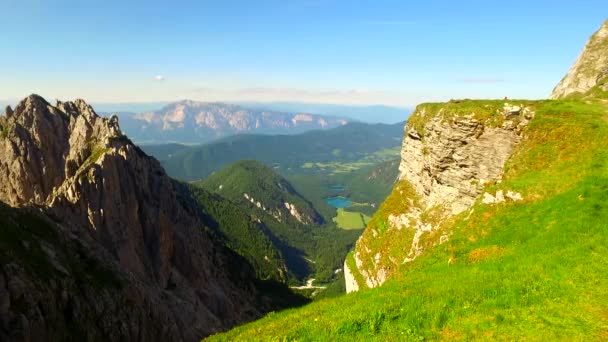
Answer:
(450, 153)
(117, 208)
(589, 69)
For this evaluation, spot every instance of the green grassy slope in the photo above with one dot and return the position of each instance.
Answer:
(529, 270)
(351, 220)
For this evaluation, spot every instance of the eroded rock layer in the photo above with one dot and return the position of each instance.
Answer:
(450, 154)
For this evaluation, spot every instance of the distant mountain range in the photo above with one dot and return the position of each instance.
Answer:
(192, 122)
(364, 113)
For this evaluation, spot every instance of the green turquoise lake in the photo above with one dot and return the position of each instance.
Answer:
(338, 202)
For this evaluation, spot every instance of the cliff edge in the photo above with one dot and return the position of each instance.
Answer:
(450, 153)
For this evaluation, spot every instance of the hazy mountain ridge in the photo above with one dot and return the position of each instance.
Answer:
(198, 122)
(363, 113)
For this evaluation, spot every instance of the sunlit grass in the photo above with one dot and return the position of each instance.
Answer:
(530, 270)
(351, 219)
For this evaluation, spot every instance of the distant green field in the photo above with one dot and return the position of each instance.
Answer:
(335, 168)
(351, 220)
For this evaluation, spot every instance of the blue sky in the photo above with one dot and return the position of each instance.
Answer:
(397, 53)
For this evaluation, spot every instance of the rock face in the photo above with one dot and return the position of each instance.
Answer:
(590, 67)
(452, 160)
(349, 280)
(446, 161)
(195, 122)
(120, 207)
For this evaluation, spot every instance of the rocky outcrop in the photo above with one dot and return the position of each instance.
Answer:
(590, 67)
(349, 280)
(451, 162)
(119, 205)
(448, 158)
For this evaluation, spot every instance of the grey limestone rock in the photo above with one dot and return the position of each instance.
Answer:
(589, 68)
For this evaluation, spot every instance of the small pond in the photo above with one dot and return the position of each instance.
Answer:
(337, 187)
(338, 202)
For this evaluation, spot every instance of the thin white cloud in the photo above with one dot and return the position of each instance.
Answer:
(346, 96)
(159, 78)
(481, 80)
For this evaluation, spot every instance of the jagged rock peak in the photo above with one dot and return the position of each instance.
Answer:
(590, 67)
(35, 107)
(8, 111)
(42, 146)
(34, 104)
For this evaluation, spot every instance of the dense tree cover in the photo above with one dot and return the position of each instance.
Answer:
(371, 186)
(366, 188)
(253, 185)
(309, 250)
(314, 248)
(242, 233)
(348, 143)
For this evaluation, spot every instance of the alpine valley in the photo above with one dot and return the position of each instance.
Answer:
(470, 220)
(89, 215)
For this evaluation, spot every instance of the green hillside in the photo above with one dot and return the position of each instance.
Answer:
(242, 233)
(164, 152)
(254, 185)
(310, 245)
(527, 270)
(354, 143)
(370, 186)
(366, 187)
